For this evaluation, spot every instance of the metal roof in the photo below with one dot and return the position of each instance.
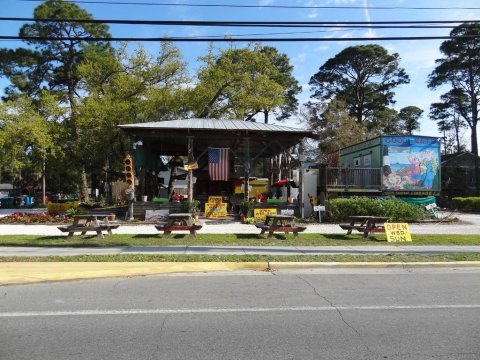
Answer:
(213, 125)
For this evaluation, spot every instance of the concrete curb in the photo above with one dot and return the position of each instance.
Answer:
(34, 272)
(312, 265)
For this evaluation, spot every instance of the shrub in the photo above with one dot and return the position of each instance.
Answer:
(192, 207)
(246, 208)
(341, 209)
(468, 204)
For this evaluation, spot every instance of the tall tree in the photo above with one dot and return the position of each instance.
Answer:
(282, 73)
(127, 88)
(448, 119)
(363, 77)
(241, 83)
(28, 136)
(334, 126)
(409, 119)
(53, 64)
(459, 68)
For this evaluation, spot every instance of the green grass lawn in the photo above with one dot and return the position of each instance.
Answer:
(232, 239)
(251, 258)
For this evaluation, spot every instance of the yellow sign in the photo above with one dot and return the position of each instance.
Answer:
(190, 166)
(397, 232)
(256, 187)
(54, 208)
(215, 210)
(215, 199)
(261, 214)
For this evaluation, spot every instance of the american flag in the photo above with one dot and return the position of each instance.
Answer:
(218, 164)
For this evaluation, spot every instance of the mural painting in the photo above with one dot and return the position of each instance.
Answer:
(411, 166)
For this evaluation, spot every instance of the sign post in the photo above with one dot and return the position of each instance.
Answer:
(319, 208)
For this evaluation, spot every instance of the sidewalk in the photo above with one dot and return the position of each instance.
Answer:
(469, 224)
(236, 250)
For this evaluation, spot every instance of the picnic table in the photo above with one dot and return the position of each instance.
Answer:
(179, 222)
(279, 223)
(90, 222)
(365, 224)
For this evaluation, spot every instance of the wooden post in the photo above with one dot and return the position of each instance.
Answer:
(131, 196)
(190, 171)
(247, 168)
(301, 158)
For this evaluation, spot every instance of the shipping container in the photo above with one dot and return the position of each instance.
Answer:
(387, 165)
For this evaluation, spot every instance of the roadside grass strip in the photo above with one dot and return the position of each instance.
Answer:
(234, 240)
(388, 258)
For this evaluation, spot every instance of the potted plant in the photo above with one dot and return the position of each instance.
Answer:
(246, 209)
(192, 207)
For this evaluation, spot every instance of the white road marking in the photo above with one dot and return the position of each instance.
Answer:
(229, 310)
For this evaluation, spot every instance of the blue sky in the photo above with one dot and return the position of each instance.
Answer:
(417, 57)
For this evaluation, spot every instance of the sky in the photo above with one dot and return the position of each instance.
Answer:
(417, 57)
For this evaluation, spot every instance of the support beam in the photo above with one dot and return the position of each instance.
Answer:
(301, 158)
(246, 181)
(190, 171)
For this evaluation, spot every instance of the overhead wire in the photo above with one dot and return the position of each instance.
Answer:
(267, 6)
(334, 25)
(227, 38)
(243, 23)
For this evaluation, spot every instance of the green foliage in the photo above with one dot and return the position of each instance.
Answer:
(468, 204)
(27, 136)
(241, 83)
(409, 116)
(362, 76)
(458, 68)
(74, 211)
(249, 220)
(246, 208)
(396, 210)
(192, 206)
(334, 126)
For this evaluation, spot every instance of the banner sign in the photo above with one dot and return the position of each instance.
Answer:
(215, 210)
(261, 214)
(397, 232)
(54, 208)
(190, 166)
(215, 199)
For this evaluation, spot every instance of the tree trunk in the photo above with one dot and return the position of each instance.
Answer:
(83, 186)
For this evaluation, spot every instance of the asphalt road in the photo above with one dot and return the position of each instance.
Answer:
(309, 314)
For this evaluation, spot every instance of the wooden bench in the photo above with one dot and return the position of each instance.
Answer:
(368, 224)
(271, 229)
(71, 229)
(90, 222)
(168, 229)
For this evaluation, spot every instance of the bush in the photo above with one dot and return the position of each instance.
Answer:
(341, 209)
(467, 204)
(192, 207)
(246, 208)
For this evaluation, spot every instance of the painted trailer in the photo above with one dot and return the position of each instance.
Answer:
(386, 165)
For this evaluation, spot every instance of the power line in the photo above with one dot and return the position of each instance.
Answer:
(266, 6)
(228, 39)
(242, 23)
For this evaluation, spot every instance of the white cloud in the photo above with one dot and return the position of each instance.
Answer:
(300, 58)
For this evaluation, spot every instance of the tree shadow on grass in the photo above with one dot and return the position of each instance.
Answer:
(350, 238)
